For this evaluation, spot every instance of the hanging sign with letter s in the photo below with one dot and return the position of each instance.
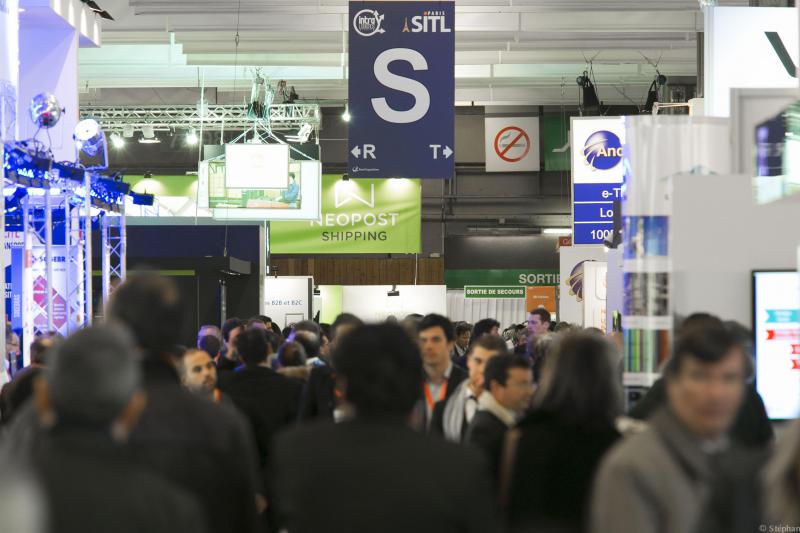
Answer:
(401, 89)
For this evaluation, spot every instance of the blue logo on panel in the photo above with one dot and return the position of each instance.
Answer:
(602, 150)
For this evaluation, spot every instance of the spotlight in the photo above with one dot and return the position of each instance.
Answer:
(191, 138)
(302, 134)
(653, 93)
(346, 114)
(89, 137)
(45, 111)
(317, 292)
(127, 131)
(148, 135)
(589, 101)
(117, 141)
(393, 292)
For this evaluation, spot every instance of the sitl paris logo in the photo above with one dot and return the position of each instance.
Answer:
(367, 23)
(602, 150)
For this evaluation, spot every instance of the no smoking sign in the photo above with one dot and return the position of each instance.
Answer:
(512, 144)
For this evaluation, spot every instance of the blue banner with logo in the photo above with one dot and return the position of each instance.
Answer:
(597, 177)
(401, 89)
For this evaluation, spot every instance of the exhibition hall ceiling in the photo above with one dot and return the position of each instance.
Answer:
(507, 52)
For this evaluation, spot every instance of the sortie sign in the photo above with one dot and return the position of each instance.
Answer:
(494, 292)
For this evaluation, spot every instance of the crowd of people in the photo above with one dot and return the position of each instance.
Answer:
(412, 425)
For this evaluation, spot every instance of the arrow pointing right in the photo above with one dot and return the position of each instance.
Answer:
(356, 152)
(447, 152)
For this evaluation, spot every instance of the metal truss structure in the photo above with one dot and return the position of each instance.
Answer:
(282, 117)
(51, 203)
(113, 252)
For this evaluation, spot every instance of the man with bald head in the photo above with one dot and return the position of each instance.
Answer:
(90, 399)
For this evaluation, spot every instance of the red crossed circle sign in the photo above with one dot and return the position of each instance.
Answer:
(517, 135)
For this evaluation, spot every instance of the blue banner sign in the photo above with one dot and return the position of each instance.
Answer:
(401, 89)
(597, 177)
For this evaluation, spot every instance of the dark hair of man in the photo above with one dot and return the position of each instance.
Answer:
(381, 366)
(463, 327)
(309, 326)
(292, 354)
(490, 343)
(277, 329)
(544, 314)
(211, 345)
(580, 384)
(150, 306)
(437, 321)
(230, 325)
(482, 327)
(262, 318)
(698, 320)
(497, 368)
(344, 319)
(253, 346)
(310, 343)
(41, 346)
(707, 344)
(326, 330)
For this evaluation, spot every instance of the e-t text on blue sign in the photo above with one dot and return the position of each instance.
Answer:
(597, 177)
(401, 89)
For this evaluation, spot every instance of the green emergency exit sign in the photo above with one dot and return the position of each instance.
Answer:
(480, 291)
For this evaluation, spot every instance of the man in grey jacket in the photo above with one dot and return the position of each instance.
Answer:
(660, 480)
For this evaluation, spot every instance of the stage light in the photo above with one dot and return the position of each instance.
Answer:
(302, 134)
(45, 110)
(127, 131)
(346, 114)
(191, 138)
(148, 135)
(117, 141)
(557, 231)
(393, 292)
(89, 137)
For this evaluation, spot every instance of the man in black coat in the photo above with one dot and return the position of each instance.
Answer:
(319, 394)
(268, 399)
(441, 377)
(203, 447)
(94, 384)
(509, 383)
(373, 472)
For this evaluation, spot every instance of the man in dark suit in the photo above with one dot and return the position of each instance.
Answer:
(268, 399)
(441, 377)
(373, 472)
(200, 446)
(452, 417)
(319, 394)
(94, 383)
(509, 389)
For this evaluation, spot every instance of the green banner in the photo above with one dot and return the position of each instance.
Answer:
(493, 292)
(359, 216)
(458, 279)
(555, 136)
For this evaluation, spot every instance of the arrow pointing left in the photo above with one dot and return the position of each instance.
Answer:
(356, 152)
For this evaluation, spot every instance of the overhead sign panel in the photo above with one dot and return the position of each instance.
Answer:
(358, 217)
(512, 144)
(748, 47)
(597, 176)
(401, 89)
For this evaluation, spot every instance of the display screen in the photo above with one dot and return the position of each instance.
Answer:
(776, 299)
(256, 166)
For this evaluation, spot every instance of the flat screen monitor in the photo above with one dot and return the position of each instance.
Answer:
(776, 326)
(256, 166)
